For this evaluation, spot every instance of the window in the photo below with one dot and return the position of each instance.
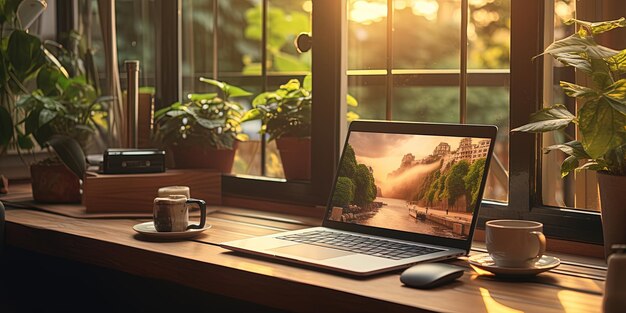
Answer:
(467, 61)
(444, 61)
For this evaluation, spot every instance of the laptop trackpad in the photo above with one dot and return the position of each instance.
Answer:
(311, 251)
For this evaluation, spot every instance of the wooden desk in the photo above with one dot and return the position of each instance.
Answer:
(200, 264)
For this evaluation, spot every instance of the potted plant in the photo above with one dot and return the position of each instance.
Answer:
(64, 105)
(285, 115)
(58, 111)
(204, 131)
(600, 119)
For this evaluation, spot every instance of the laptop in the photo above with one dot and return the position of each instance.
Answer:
(404, 193)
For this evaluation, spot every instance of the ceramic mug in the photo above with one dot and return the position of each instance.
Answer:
(515, 243)
(171, 214)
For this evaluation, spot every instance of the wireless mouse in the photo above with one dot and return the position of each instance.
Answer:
(430, 275)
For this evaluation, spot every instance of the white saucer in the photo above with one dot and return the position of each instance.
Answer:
(485, 262)
(148, 229)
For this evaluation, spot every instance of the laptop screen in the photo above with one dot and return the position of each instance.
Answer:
(424, 184)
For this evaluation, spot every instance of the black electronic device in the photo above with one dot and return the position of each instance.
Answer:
(430, 275)
(133, 161)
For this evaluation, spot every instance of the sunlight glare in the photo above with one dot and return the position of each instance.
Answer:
(569, 300)
(426, 8)
(307, 6)
(366, 12)
(491, 305)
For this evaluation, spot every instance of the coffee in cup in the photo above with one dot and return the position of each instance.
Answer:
(174, 190)
(171, 213)
(515, 243)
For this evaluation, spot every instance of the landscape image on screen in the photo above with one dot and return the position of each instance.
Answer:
(415, 183)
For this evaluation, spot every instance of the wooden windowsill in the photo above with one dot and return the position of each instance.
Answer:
(203, 265)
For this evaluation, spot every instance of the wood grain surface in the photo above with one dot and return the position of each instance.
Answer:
(200, 264)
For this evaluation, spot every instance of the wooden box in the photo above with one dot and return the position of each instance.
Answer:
(124, 193)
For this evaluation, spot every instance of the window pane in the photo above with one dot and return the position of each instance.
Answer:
(367, 34)
(490, 105)
(426, 34)
(426, 67)
(234, 53)
(576, 190)
(426, 104)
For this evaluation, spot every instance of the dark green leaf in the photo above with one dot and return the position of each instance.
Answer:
(573, 148)
(24, 142)
(568, 165)
(25, 54)
(70, 153)
(6, 127)
(601, 75)
(547, 119)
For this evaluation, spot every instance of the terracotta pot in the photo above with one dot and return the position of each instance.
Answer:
(295, 153)
(612, 204)
(54, 183)
(204, 157)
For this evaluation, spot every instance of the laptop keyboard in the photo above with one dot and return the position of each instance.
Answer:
(360, 244)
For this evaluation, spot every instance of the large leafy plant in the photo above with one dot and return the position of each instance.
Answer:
(207, 119)
(286, 111)
(601, 114)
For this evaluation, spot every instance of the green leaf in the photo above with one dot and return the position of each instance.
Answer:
(229, 90)
(201, 96)
(25, 54)
(351, 101)
(616, 91)
(598, 123)
(573, 148)
(617, 105)
(6, 127)
(45, 116)
(547, 119)
(617, 62)
(24, 142)
(209, 124)
(307, 83)
(599, 27)
(576, 91)
(592, 166)
(574, 59)
(70, 153)
(8, 9)
(568, 165)
(250, 115)
(577, 45)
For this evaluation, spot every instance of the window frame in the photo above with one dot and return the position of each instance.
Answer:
(526, 81)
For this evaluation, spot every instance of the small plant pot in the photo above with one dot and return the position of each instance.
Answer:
(612, 199)
(54, 183)
(295, 153)
(204, 157)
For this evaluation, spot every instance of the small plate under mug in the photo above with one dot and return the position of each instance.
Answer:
(148, 229)
(485, 262)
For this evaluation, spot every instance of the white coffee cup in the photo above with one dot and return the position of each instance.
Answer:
(515, 243)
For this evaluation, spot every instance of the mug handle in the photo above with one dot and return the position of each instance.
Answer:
(202, 206)
(542, 242)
